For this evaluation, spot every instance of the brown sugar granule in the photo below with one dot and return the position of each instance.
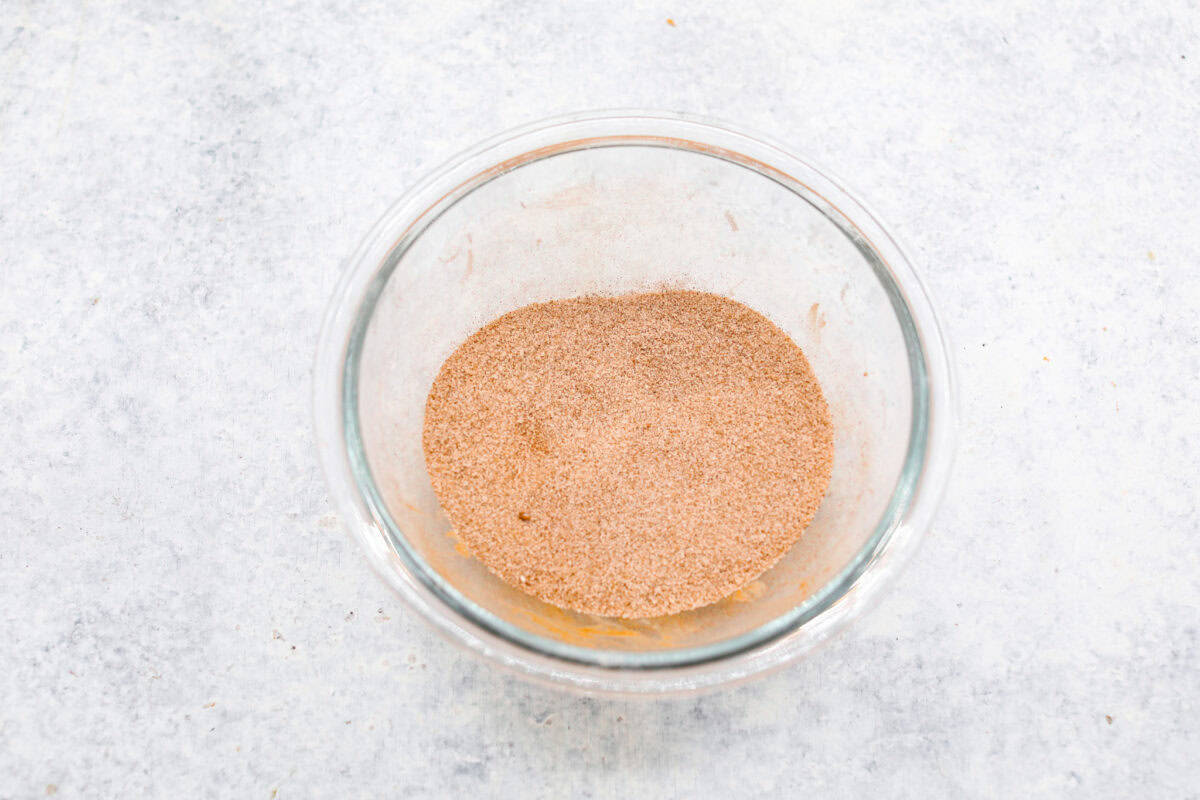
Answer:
(629, 456)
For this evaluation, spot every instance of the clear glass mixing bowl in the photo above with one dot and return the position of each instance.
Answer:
(613, 203)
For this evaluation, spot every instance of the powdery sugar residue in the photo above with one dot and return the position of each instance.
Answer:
(629, 456)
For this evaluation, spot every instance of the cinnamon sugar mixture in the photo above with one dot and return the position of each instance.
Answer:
(629, 456)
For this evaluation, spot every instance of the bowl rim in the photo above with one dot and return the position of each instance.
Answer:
(914, 499)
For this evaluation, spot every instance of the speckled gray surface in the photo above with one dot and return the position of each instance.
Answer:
(181, 614)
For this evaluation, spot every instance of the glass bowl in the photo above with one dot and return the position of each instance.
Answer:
(609, 203)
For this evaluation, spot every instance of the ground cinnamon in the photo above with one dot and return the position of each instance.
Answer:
(629, 456)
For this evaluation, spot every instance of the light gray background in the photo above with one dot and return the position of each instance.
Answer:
(181, 614)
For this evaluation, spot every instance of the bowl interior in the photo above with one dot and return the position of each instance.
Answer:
(610, 218)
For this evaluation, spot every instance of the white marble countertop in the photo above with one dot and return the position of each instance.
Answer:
(181, 614)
